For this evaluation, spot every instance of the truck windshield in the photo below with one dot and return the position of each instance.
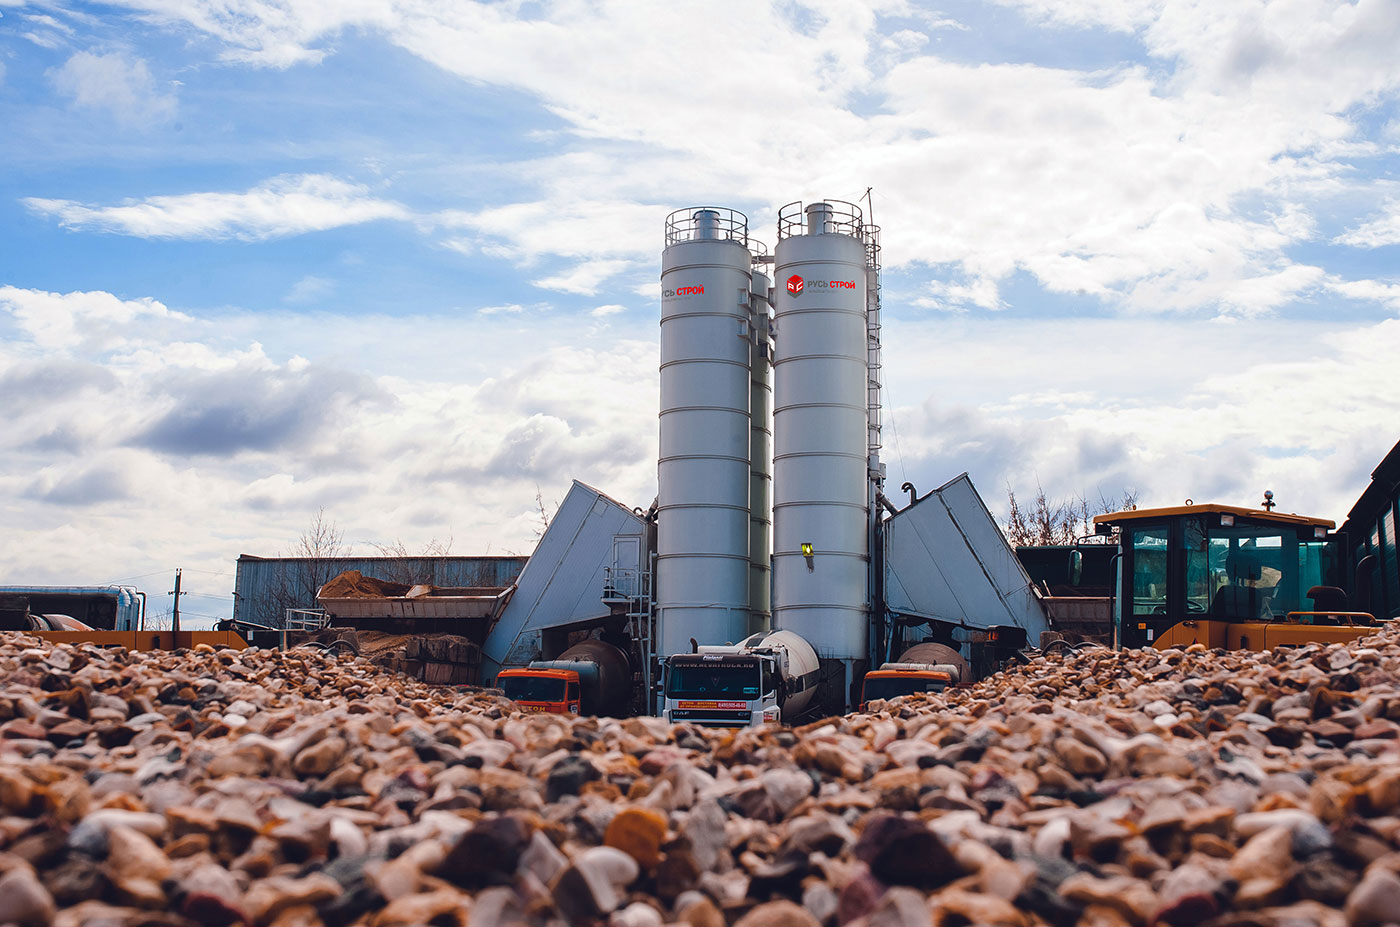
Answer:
(904, 684)
(714, 680)
(532, 688)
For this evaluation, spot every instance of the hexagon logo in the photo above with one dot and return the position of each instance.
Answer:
(794, 285)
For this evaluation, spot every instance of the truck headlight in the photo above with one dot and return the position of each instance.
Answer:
(772, 714)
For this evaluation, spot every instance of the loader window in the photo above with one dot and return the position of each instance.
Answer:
(1264, 571)
(1149, 570)
(1199, 587)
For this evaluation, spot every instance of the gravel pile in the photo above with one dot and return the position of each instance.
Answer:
(303, 789)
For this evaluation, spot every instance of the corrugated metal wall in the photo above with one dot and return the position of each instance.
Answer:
(266, 587)
(1371, 528)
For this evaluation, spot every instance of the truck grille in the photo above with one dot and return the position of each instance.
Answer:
(707, 717)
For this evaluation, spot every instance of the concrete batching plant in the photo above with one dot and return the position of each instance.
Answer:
(771, 570)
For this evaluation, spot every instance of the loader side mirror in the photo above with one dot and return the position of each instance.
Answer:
(1076, 567)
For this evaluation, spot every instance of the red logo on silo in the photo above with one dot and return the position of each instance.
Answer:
(794, 285)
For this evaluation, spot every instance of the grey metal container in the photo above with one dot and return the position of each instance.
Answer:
(820, 421)
(702, 546)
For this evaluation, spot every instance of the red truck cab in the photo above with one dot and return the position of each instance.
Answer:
(555, 691)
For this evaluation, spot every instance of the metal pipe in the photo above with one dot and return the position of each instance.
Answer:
(706, 224)
(819, 219)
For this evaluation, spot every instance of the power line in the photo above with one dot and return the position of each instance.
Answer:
(119, 582)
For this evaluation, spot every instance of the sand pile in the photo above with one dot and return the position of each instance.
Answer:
(352, 584)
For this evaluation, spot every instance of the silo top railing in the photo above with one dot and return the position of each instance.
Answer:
(716, 223)
(839, 218)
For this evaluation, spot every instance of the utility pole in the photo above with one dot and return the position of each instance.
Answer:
(175, 610)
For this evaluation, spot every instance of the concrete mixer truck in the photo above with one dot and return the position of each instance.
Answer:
(769, 676)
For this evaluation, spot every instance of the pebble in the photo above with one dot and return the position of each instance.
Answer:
(778, 914)
(24, 900)
(441, 908)
(1375, 900)
(594, 885)
(638, 832)
(903, 851)
(281, 789)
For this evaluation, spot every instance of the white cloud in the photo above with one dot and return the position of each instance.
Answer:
(292, 204)
(1292, 407)
(47, 21)
(310, 289)
(584, 279)
(115, 82)
(94, 322)
(572, 228)
(185, 423)
(1184, 183)
(48, 32)
(44, 39)
(940, 294)
(1387, 294)
(1379, 232)
(1129, 183)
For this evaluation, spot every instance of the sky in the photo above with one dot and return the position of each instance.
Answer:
(397, 262)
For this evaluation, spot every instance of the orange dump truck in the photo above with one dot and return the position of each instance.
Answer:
(541, 688)
(926, 667)
(590, 678)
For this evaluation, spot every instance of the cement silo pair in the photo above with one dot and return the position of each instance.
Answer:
(735, 349)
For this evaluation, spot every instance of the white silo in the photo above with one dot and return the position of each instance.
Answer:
(702, 529)
(761, 455)
(821, 511)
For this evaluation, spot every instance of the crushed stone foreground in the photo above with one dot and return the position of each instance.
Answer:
(299, 789)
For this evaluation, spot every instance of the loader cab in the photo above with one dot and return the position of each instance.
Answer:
(1204, 571)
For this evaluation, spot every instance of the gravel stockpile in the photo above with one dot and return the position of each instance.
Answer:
(302, 789)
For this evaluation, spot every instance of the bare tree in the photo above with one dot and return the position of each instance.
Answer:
(322, 539)
(311, 564)
(545, 515)
(406, 566)
(1049, 522)
(1018, 529)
